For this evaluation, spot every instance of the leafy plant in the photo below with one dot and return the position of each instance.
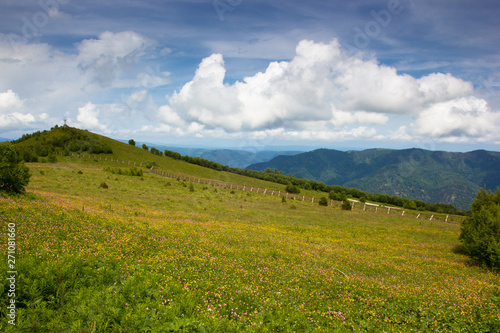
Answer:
(480, 234)
(290, 188)
(346, 205)
(14, 175)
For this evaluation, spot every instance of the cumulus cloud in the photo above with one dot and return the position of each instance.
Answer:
(88, 117)
(9, 100)
(13, 113)
(466, 117)
(323, 85)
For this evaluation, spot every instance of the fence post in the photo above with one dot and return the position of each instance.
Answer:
(265, 190)
(403, 214)
(431, 217)
(446, 220)
(418, 216)
(364, 207)
(388, 210)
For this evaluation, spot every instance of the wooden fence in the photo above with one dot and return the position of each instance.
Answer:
(356, 205)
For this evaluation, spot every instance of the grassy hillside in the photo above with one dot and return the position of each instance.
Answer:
(152, 254)
(431, 176)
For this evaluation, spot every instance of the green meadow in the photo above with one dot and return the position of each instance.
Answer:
(100, 251)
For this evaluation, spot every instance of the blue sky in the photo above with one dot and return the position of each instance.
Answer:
(241, 73)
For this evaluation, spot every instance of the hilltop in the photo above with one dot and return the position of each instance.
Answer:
(432, 176)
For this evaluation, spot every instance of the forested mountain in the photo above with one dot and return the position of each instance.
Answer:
(433, 176)
(235, 158)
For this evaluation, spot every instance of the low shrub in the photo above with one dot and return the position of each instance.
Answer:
(346, 205)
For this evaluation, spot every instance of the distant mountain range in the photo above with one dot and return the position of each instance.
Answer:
(234, 158)
(432, 176)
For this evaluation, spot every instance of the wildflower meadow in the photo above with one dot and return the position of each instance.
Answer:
(150, 254)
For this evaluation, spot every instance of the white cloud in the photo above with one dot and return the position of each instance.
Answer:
(137, 97)
(466, 117)
(9, 100)
(106, 57)
(323, 87)
(88, 117)
(341, 118)
(13, 112)
(115, 45)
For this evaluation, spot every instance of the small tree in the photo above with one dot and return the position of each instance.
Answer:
(323, 201)
(131, 142)
(346, 205)
(14, 175)
(480, 234)
(145, 147)
(290, 188)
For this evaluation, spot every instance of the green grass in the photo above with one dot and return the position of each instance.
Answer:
(147, 254)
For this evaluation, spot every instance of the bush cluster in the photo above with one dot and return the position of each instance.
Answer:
(14, 175)
(480, 234)
(134, 171)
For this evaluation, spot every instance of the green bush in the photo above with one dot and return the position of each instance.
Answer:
(14, 175)
(346, 205)
(52, 158)
(323, 201)
(334, 196)
(290, 188)
(480, 234)
(134, 171)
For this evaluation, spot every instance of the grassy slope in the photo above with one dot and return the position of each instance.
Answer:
(149, 254)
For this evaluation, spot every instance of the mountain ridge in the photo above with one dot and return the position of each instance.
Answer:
(434, 176)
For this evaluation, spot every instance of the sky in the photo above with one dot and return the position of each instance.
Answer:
(252, 73)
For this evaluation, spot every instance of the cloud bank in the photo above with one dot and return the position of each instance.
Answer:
(321, 94)
(323, 90)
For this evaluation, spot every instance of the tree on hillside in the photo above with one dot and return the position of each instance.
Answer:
(131, 142)
(290, 188)
(480, 234)
(14, 175)
(145, 147)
